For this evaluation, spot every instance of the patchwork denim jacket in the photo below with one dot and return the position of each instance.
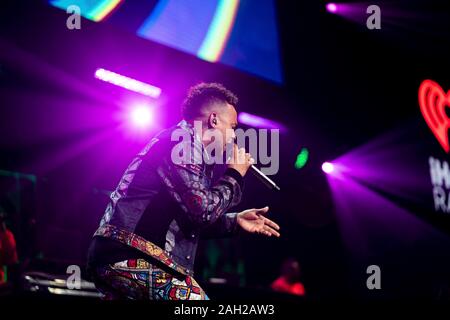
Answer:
(171, 204)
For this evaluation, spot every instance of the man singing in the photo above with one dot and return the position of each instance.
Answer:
(146, 243)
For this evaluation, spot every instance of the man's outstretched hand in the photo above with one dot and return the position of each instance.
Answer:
(253, 221)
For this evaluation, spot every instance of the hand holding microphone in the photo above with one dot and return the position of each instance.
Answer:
(242, 161)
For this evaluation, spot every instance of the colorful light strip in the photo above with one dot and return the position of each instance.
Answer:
(104, 9)
(219, 31)
(128, 83)
(92, 10)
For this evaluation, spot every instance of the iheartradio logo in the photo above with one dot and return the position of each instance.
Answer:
(433, 101)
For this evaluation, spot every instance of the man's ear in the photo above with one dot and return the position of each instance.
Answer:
(212, 120)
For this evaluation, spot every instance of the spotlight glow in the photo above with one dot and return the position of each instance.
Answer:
(332, 7)
(327, 167)
(141, 116)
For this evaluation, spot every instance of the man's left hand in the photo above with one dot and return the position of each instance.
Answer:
(253, 221)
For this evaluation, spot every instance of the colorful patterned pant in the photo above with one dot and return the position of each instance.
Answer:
(138, 279)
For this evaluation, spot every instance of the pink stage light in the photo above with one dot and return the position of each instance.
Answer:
(141, 116)
(332, 7)
(128, 83)
(327, 167)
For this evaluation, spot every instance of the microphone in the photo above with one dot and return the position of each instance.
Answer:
(263, 178)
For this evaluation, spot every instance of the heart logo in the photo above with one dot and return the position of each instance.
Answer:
(433, 101)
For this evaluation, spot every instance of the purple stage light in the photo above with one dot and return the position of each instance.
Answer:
(332, 7)
(128, 83)
(327, 167)
(141, 116)
(259, 122)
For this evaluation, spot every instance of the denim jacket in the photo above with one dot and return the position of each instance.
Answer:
(171, 204)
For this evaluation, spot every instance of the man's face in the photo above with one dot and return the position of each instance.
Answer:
(226, 123)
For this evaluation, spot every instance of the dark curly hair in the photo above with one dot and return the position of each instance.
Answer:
(203, 94)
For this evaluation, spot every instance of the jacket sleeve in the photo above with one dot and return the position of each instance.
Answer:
(202, 204)
(226, 226)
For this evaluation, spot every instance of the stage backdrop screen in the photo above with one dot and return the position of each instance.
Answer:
(241, 34)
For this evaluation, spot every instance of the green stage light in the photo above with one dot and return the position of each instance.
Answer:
(302, 158)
